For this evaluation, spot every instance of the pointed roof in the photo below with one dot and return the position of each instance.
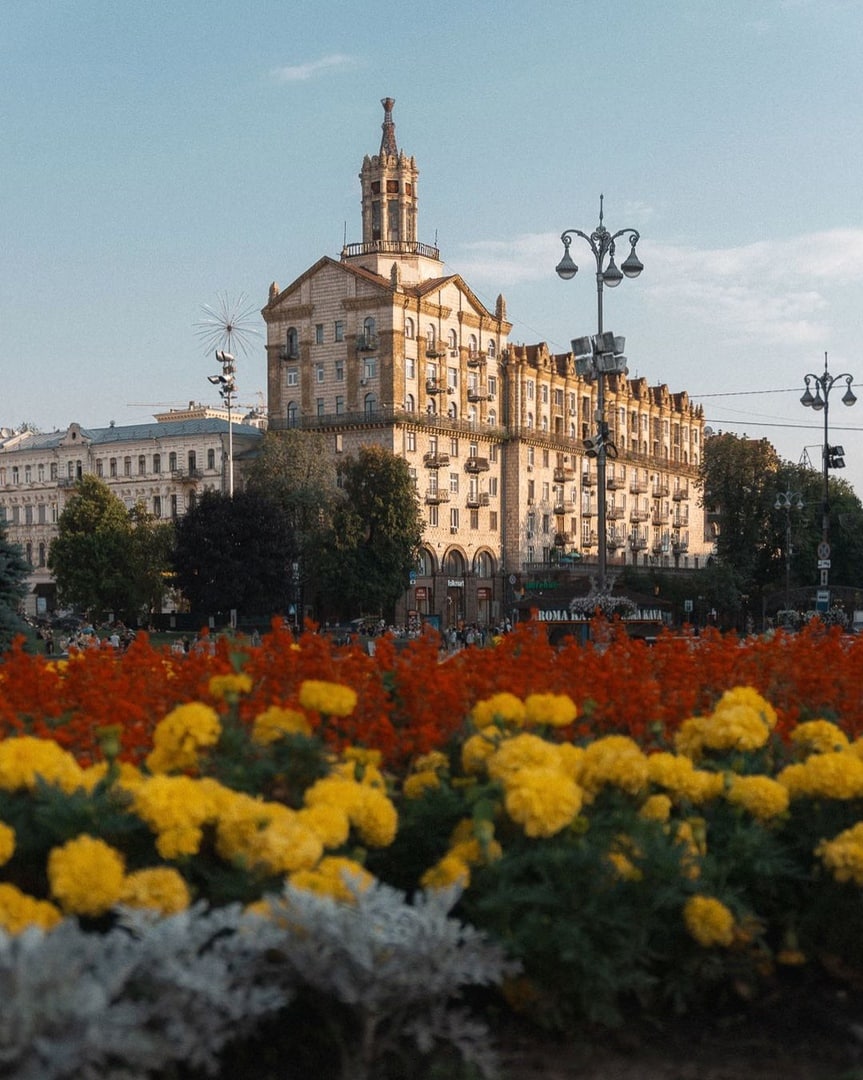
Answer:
(388, 138)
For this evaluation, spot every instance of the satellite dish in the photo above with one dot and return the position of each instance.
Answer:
(708, 430)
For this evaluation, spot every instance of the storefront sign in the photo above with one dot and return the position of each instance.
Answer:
(455, 583)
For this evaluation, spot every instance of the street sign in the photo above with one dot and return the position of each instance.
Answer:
(823, 550)
(822, 599)
(412, 576)
(823, 564)
(824, 577)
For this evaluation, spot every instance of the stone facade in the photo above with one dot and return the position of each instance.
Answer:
(161, 466)
(382, 347)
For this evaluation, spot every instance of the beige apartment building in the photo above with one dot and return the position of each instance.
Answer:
(163, 466)
(381, 346)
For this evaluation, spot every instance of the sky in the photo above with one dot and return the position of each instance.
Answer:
(162, 160)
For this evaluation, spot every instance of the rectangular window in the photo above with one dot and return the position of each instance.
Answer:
(433, 516)
(319, 333)
(340, 404)
(339, 330)
(492, 520)
(43, 514)
(319, 406)
(410, 368)
(157, 506)
(339, 444)
(28, 474)
(474, 519)
(370, 367)
(453, 518)
(173, 506)
(99, 469)
(452, 377)
(28, 515)
(492, 485)
(55, 513)
(319, 373)
(127, 466)
(492, 452)
(113, 467)
(410, 441)
(340, 371)
(292, 376)
(53, 470)
(16, 515)
(453, 483)
(142, 465)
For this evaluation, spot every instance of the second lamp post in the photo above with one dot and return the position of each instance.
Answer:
(602, 244)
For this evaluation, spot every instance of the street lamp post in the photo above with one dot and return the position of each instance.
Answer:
(788, 501)
(602, 244)
(227, 390)
(832, 457)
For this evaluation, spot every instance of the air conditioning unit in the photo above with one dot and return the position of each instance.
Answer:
(450, 389)
(364, 382)
(453, 529)
(453, 352)
(530, 468)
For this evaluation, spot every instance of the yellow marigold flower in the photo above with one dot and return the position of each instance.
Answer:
(24, 759)
(161, 888)
(542, 800)
(362, 766)
(180, 735)
(448, 871)
(266, 837)
(229, 687)
(330, 698)
(329, 823)
(416, 785)
(363, 756)
(520, 752)
(570, 759)
(656, 808)
(503, 707)
(831, 775)
(623, 866)
(761, 796)
(477, 749)
(843, 855)
(434, 761)
(616, 760)
(274, 723)
(18, 911)
(692, 839)
(708, 921)
(688, 737)
(375, 818)
(748, 697)
(7, 842)
(337, 791)
(555, 710)
(334, 876)
(819, 737)
(86, 876)
(176, 808)
(734, 727)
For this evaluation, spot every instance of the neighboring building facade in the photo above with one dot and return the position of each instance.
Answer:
(382, 347)
(161, 466)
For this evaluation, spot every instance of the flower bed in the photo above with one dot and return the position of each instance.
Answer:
(591, 830)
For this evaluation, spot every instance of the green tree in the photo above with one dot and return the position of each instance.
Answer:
(150, 551)
(91, 557)
(234, 553)
(296, 470)
(377, 532)
(740, 478)
(13, 575)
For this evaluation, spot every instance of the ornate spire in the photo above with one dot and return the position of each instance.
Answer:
(388, 139)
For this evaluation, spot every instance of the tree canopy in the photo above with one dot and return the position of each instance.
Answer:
(234, 553)
(13, 575)
(106, 560)
(376, 536)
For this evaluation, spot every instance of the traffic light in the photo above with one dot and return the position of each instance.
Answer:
(835, 457)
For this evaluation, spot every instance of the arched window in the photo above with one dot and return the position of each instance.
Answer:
(471, 414)
(431, 338)
(452, 410)
(293, 414)
(471, 345)
(292, 345)
(492, 350)
(483, 565)
(410, 404)
(452, 340)
(157, 464)
(370, 404)
(425, 563)
(409, 328)
(41, 554)
(530, 421)
(172, 462)
(492, 418)
(369, 332)
(211, 459)
(454, 564)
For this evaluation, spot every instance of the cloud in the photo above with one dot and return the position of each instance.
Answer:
(783, 291)
(312, 68)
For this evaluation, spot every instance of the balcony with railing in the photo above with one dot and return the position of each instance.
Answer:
(637, 543)
(680, 493)
(187, 476)
(660, 491)
(660, 517)
(638, 487)
(434, 386)
(475, 499)
(367, 342)
(437, 495)
(564, 506)
(435, 461)
(614, 483)
(639, 515)
(476, 465)
(615, 513)
(478, 393)
(589, 540)
(476, 359)
(587, 479)
(563, 476)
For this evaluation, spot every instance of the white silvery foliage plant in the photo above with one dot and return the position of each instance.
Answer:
(156, 991)
(125, 1004)
(396, 966)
